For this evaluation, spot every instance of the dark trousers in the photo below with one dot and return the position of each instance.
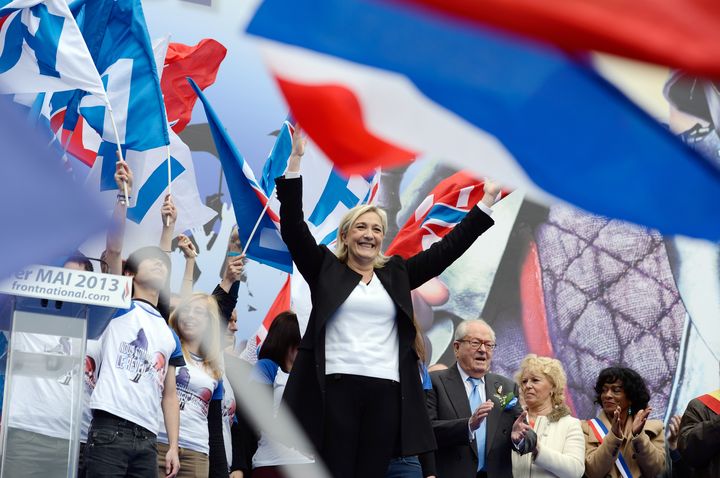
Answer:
(118, 448)
(405, 467)
(362, 424)
(82, 468)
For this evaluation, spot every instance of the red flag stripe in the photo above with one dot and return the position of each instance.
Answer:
(346, 139)
(534, 318)
(280, 304)
(684, 34)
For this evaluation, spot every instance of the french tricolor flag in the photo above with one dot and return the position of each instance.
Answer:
(379, 83)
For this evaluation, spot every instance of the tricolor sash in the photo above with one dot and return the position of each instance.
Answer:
(712, 401)
(599, 429)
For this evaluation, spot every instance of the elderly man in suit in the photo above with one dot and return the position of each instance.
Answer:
(473, 412)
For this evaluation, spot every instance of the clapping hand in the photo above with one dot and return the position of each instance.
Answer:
(480, 414)
(673, 432)
(616, 425)
(639, 420)
(520, 428)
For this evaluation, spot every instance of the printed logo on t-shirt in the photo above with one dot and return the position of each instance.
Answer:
(134, 358)
(198, 397)
(228, 411)
(62, 347)
(90, 378)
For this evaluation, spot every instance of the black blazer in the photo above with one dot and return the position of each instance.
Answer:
(449, 410)
(331, 282)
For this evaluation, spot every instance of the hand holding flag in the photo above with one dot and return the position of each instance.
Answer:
(123, 177)
(491, 191)
(298, 150)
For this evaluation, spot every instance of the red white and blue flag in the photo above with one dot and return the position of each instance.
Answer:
(438, 214)
(249, 200)
(377, 83)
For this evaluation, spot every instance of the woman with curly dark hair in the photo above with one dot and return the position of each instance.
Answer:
(621, 441)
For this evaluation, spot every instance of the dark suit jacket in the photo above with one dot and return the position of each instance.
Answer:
(449, 410)
(331, 282)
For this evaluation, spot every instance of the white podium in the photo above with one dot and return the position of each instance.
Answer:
(47, 316)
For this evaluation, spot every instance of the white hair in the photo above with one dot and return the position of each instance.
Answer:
(461, 329)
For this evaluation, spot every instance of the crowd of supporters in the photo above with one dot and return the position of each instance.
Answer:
(158, 402)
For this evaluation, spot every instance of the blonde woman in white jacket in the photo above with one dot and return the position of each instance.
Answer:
(560, 448)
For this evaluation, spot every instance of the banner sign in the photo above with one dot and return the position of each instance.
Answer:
(70, 285)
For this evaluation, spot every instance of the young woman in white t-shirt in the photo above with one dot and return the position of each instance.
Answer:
(199, 387)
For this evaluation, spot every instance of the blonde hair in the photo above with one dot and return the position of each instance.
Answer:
(341, 250)
(552, 369)
(211, 348)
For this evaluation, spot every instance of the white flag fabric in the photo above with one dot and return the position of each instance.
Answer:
(150, 171)
(42, 50)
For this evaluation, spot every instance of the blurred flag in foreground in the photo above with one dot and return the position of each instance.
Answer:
(43, 215)
(524, 113)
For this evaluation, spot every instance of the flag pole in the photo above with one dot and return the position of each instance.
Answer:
(257, 224)
(169, 170)
(119, 149)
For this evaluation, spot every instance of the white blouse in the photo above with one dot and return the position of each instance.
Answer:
(561, 454)
(361, 337)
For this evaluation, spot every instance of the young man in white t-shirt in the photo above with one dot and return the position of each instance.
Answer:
(136, 380)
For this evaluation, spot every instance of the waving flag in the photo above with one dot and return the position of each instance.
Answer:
(38, 199)
(201, 63)
(117, 37)
(328, 193)
(42, 49)
(150, 171)
(249, 200)
(276, 163)
(83, 142)
(656, 32)
(438, 214)
(487, 102)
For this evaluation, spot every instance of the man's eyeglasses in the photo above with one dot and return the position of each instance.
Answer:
(476, 344)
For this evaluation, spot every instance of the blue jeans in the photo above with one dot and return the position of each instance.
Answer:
(404, 467)
(118, 448)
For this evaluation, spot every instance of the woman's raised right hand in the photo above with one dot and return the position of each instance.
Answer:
(298, 150)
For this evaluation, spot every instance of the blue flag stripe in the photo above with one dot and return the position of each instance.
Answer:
(153, 188)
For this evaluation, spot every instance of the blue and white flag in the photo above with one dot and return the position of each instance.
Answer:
(119, 42)
(327, 193)
(249, 200)
(42, 50)
(150, 171)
